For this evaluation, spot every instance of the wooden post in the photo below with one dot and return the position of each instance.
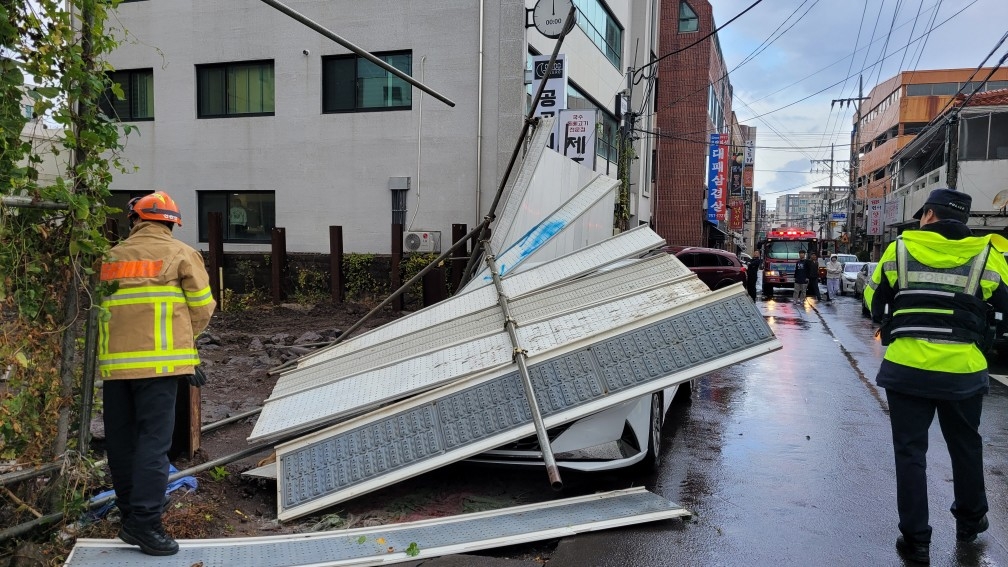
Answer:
(215, 236)
(278, 259)
(434, 289)
(396, 280)
(188, 421)
(336, 280)
(458, 260)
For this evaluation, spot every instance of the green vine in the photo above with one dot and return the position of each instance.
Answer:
(625, 157)
(360, 284)
(47, 254)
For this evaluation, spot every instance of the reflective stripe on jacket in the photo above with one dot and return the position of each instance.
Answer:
(939, 304)
(942, 262)
(163, 300)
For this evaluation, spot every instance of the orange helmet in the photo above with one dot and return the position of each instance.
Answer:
(157, 206)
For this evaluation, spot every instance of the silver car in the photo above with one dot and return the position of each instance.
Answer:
(848, 279)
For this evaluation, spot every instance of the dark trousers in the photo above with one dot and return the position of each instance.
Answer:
(911, 416)
(813, 289)
(751, 287)
(139, 419)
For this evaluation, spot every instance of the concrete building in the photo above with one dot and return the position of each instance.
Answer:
(694, 101)
(240, 109)
(897, 109)
(979, 168)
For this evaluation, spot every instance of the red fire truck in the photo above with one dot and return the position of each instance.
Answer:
(780, 254)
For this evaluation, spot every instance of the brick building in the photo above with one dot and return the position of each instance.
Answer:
(693, 100)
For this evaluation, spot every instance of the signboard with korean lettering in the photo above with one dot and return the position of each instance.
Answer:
(735, 186)
(554, 95)
(717, 178)
(875, 209)
(750, 153)
(577, 135)
(893, 208)
(737, 214)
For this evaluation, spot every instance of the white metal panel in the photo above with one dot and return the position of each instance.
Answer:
(528, 308)
(328, 401)
(715, 329)
(434, 537)
(628, 244)
(548, 229)
(518, 193)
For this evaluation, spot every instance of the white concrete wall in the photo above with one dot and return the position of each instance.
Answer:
(328, 169)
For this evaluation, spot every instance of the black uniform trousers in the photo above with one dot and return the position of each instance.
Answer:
(139, 418)
(911, 416)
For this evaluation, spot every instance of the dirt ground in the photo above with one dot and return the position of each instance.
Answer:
(238, 349)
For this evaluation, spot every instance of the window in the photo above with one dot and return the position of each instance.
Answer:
(235, 89)
(247, 217)
(688, 20)
(602, 29)
(913, 127)
(973, 133)
(998, 145)
(353, 84)
(120, 200)
(138, 96)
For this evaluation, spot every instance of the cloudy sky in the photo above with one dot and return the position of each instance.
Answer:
(790, 58)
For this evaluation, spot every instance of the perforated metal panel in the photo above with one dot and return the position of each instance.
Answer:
(338, 399)
(445, 426)
(382, 545)
(536, 306)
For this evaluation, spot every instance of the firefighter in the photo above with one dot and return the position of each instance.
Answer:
(933, 289)
(161, 302)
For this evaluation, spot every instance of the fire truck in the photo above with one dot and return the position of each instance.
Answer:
(780, 254)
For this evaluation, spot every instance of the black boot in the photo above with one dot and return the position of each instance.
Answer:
(914, 551)
(967, 532)
(152, 540)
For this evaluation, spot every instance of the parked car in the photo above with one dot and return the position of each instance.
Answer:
(848, 278)
(863, 277)
(842, 258)
(716, 268)
(628, 435)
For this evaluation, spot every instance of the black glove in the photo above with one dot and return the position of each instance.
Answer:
(198, 378)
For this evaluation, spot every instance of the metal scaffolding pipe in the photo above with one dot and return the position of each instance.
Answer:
(520, 354)
(358, 50)
(32, 203)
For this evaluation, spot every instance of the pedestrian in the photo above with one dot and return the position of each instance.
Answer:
(814, 276)
(801, 278)
(937, 283)
(834, 270)
(753, 267)
(161, 302)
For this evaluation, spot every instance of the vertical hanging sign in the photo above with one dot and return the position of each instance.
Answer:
(876, 209)
(717, 179)
(554, 95)
(577, 135)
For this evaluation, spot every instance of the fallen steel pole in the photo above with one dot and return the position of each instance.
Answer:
(358, 50)
(227, 420)
(18, 476)
(519, 356)
(32, 203)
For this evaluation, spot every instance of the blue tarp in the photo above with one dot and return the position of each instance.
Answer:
(186, 481)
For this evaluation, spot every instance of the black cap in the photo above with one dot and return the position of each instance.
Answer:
(955, 200)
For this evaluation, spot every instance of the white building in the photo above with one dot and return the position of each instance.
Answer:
(242, 110)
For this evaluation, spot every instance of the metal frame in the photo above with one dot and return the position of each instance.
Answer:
(497, 528)
(337, 399)
(334, 478)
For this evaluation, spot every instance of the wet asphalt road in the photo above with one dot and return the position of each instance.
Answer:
(787, 460)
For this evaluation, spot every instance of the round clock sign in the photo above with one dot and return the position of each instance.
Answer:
(550, 16)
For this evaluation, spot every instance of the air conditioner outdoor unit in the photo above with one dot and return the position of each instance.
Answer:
(422, 241)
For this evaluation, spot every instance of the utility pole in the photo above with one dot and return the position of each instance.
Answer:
(855, 169)
(952, 150)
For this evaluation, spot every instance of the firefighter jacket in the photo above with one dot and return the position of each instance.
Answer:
(162, 302)
(933, 287)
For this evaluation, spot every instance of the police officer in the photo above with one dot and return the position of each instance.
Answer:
(753, 267)
(161, 302)
(933, 287)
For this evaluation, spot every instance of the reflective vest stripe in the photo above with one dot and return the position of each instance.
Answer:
(924, 310)
(131, 269)
(199, 298)
(151, 356)
(926, 329)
